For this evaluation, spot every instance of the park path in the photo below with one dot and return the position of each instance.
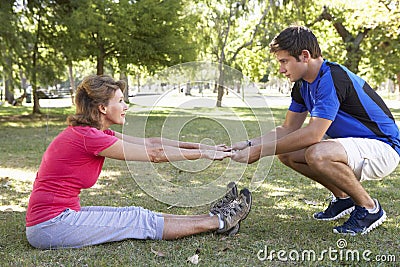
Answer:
(180, 100)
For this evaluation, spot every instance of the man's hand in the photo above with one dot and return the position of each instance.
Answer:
(221, 147)
(248, 155)
(238, 146)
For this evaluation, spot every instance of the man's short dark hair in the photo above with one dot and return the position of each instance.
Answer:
(295, 39)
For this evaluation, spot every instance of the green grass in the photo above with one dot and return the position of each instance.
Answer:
(281, 216)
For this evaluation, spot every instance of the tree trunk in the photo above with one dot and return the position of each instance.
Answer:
(36, 105)
(35, 55)
(71, 82)
(398, 83)
(354, 52)
(23, 80)
(122, 76)
(100, 66)
(8, 83)
(220, 85)
(100, 61)
(352, 43)
(138, 81)
(9, 95)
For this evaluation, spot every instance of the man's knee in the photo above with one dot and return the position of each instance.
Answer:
(317, 156)
(292, 158)
(285, 159)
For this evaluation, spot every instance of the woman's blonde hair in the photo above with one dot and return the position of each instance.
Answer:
(93, 91)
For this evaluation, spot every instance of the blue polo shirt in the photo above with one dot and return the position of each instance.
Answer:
(354, 108)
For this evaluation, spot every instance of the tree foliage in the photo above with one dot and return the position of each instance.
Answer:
(42, 39)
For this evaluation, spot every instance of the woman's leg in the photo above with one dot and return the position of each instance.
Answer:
(96, 225)
(177, 226)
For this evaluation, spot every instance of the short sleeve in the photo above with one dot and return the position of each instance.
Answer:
(96, 141)
(296, 107)
(326, 102)
(109, 132)
(297, 104)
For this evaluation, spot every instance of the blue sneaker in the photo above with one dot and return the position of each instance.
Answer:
(336, 209)
(361, 221)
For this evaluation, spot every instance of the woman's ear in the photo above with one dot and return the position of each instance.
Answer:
(103, 109)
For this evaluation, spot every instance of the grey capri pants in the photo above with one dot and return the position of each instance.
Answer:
(95, 225)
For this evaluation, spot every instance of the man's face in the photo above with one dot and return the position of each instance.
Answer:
(288, 65)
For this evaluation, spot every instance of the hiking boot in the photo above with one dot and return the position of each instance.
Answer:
(361, 221)
(236, 211)
(246, 192)
(230, 196)
(234, 230)
(336, 209)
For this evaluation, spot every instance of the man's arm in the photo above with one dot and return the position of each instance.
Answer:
(293, 121)
(288, 139)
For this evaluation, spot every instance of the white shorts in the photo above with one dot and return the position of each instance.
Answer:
(370, 159)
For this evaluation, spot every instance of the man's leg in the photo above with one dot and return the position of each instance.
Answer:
(297, 161)
(341, 203)
(326, 163)
(328, 160)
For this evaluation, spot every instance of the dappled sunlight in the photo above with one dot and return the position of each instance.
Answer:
(105, 176)
(276, 191)
(11, 208)
(15, 187)
(13, 124)
(18, 174)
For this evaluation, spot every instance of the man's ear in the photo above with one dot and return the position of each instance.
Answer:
(305, 55)
(103, 109)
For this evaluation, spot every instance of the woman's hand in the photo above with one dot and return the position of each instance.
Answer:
(215, 154)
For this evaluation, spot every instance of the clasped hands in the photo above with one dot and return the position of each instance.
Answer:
(239, 152)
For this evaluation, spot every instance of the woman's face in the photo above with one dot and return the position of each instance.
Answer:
(115, 111)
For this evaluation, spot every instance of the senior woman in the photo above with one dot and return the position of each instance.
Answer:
(73, 161)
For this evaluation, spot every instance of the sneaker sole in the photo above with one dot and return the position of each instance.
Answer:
(375, 224)
(248, 194)
(340, 215)
(233, 231)
(369, 229)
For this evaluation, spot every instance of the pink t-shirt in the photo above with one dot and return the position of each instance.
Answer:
(70, 163)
